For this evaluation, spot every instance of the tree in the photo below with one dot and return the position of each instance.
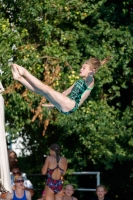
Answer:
(51, 39)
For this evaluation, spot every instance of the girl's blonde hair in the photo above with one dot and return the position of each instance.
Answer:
(95, 63)
(16, 177)
(70, 186)
(102, 186)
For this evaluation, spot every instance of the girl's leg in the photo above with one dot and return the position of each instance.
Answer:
(59, 195)
(49, 194)
(59, 100)
(16, 76)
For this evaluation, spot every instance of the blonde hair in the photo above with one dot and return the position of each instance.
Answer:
(16, 177)
(102, 186)
(95, 63)
(70, 186)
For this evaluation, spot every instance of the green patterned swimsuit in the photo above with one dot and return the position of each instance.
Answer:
(76, 94)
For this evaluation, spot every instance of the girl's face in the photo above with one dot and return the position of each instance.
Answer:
(85, 70)
(100, 192)
(19, 182)
(69, 190)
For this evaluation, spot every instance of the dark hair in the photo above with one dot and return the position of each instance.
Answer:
(17, 167)
(56, 148)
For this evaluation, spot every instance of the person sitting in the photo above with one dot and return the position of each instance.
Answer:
(19, 192)
(68, 192)
(101, 192)
(27, 183)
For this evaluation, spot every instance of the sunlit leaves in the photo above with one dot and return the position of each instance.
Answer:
(57, 34)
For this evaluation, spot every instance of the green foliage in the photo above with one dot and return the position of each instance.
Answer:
(98, 136)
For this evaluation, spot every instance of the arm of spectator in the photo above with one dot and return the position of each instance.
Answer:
(74, 198)
(29, 187)
(28, 195)
(30, 190)
(9, 196)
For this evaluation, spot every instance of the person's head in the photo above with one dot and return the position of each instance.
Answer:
(69, 190)
(19, 182)
(91, 66)
(101, 190)
(13, 161)
(16, 171)
(54, 149)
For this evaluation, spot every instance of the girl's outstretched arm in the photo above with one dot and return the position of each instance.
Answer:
(90, 84)
(48, 105)
(65, 92)
(68, 91)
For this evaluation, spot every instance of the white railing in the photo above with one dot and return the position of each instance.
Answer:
(89, 173)
(81, 173)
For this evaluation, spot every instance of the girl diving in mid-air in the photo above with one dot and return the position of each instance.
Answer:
(69, 100)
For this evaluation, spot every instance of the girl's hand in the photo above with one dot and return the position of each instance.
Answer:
(49, 105)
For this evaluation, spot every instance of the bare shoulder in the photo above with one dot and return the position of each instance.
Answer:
(49, 158)
(63, 159)
(74, 198)
(28, 194)
(9, 195)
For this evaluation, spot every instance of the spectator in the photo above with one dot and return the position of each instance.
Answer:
(19, 191)
(55, 166)
(13, 161)
(68, 192)
(27, 183)
(101, 192)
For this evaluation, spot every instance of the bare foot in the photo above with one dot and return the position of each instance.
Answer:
(15, 72)
(20, 69)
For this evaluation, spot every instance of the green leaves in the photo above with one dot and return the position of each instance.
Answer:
(44, 36)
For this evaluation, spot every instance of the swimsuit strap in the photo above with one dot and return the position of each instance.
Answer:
(88, 88)
(52, 170)
(58, 165)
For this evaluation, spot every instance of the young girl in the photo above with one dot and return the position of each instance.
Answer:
(101, 191)
(69, 190)
(19, 192)
(55, 167)
(78, 92)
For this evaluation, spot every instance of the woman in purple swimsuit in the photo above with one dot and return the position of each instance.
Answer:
(55, 167)
(19, 193)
